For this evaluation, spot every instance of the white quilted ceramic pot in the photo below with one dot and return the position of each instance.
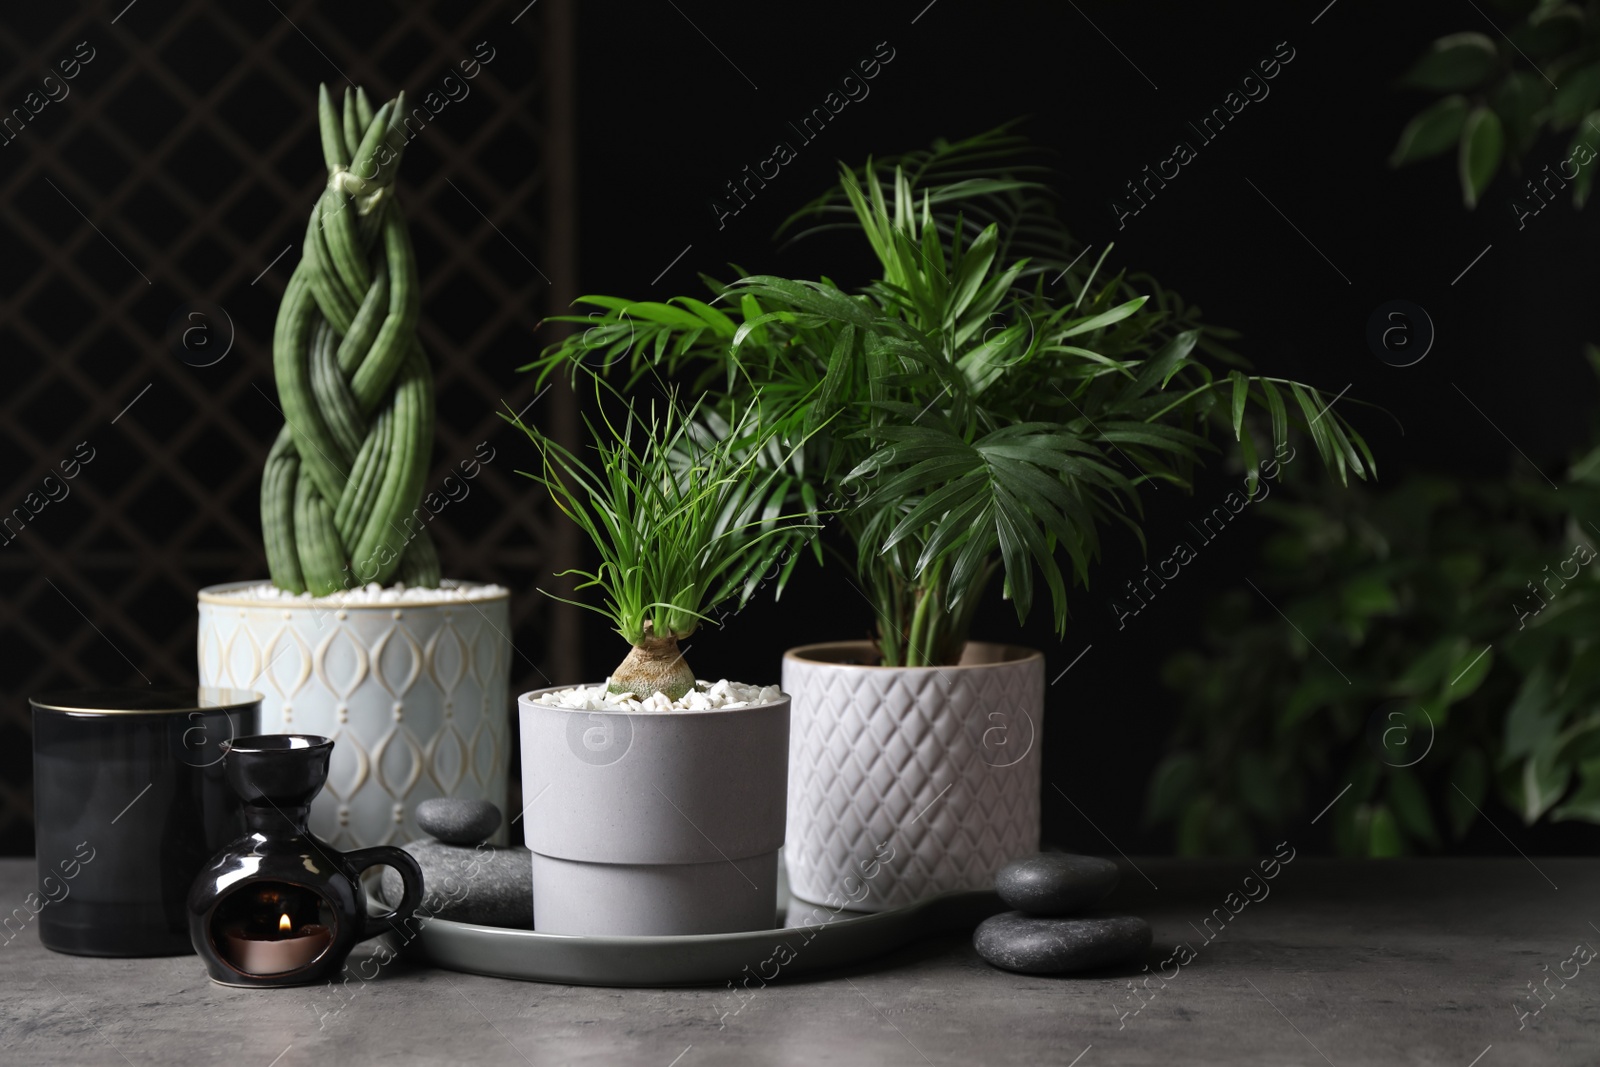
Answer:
(653, 823)
(415, 694)
(909, 781)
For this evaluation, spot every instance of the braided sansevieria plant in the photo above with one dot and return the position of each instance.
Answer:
(345, 477)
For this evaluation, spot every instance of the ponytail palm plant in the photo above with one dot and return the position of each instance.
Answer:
(686, 513)
(983, 407)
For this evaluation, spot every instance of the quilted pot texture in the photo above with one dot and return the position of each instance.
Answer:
(415, 695)
(905, 782)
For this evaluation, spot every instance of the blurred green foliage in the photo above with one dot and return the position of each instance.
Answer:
(1441, 654)
(1502, 90)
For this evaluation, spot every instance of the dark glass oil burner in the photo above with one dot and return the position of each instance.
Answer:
(279, 906)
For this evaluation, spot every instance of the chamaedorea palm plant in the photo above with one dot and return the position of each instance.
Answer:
(985, 415)
(686, 514)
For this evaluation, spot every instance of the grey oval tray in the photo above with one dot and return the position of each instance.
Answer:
(750, 958)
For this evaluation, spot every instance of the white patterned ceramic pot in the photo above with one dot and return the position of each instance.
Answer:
(416, 695)
(653, 823)
(905, 782)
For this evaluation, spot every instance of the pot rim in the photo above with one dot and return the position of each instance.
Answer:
(125, 701)
(1016, 654)
(220, 595)
(523, 702)
(275, 744)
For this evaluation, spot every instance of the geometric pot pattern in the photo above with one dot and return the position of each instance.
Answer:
(415, 695)
(905, 782)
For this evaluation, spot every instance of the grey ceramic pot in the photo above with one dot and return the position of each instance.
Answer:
(907, 782)
(654, 823)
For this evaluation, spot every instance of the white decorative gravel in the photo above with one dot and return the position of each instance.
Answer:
(372, 593)
(706, 696)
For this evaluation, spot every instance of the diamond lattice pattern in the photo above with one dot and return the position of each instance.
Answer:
(882, 756)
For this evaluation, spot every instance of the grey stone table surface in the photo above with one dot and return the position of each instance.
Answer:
(1343, 963)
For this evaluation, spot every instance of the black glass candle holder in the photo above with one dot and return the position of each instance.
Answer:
(280, 906)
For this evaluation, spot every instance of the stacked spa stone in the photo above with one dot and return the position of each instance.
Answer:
(465, 879)
(1039, 937)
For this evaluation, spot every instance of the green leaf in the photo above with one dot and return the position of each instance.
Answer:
(1586, 468)
(1520, 100)
(1252, 462)
(1410, 806)
(1466, 675)
(1482, 142)
(1314, 691)
(1435, 130)
(1352, 829)
(833, 382)
(1584, 803)
(1531, 720)
(1579, 742)
(1385, 840)
(1541, 785)
(1582, 143)
(1552, 30)
(1469, 780)
(751, 308)
(973, 270)
(1105, 318)
(1241, 393)
(1427, 672)
(1459, 61)
(1367, 595)
(1280, 416)
(1577, 95)
(712, 316)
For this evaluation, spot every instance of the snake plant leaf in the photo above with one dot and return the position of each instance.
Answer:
(346, 477)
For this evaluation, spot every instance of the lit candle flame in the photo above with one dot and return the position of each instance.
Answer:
(284, 925)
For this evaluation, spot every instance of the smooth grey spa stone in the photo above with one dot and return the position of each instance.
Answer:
(488, 885)
(457, 820)
(1056, 883)
(1030, 945)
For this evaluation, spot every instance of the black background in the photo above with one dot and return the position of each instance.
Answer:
(675, 98)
